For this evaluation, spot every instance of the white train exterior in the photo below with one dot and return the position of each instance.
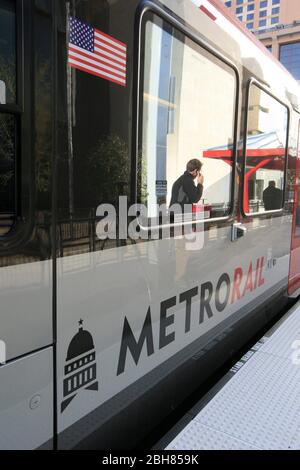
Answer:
(102, 338)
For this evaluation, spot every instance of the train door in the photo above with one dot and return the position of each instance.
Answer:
(294, 276)
(99, 280)
(26, 354)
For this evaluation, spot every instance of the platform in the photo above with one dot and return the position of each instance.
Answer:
(256, 405)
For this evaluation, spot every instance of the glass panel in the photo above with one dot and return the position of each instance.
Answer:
(7, 52)
(7, 172)
(297, 226)
(182, 120)
(289, 57)
(265, 153)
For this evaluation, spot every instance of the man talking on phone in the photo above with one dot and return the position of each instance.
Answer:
(184, 190)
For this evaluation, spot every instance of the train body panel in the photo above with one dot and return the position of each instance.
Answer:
(26, 301)
(143, 287)
(137, 323)
(26, 401)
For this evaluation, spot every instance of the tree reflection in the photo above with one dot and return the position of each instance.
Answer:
(108, 170)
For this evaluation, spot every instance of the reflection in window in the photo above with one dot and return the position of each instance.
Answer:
(297, 192)
(7, 52)
(7, 172)
(183, 119)
(290, 58)
(265, 153)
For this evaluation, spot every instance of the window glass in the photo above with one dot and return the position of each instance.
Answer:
(250, 16)
(250, 25)
(182, 119)
(263, 4)
(275, 20)
(275, 2)
(263, 13)
(265, 152)
(7, 172)
(262, 22)
(275, 11)
(228, 4)
(290, 58)
(239, 10)
(250, 7)
(297, 226)
(7, 52)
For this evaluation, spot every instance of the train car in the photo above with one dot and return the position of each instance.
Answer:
(108, 323)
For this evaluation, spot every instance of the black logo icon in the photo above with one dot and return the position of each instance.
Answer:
(81, 367)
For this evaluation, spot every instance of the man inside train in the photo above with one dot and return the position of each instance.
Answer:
(272, 197)
(184, 190)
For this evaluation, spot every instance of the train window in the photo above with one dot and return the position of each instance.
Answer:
(7, 172)
(185, 115)
(265, 152)
(297, 191)
(7, 52)
(8, 98)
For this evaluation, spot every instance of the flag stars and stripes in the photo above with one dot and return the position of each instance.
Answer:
(96, 53)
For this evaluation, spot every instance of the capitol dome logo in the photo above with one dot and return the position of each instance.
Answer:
(81, 367)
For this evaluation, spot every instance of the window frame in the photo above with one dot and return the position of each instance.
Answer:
(257, 83)
(16, 110)
(143, 12)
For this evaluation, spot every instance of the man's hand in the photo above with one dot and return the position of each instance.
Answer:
(200, 179)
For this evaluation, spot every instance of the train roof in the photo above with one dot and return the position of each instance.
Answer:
(223, 31)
